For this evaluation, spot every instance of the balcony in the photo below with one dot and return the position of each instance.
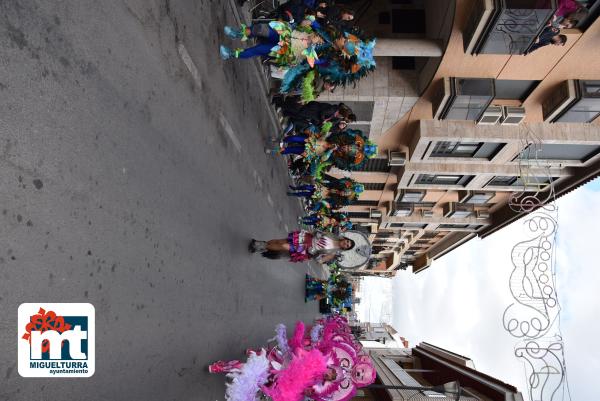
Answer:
(506, 26)
(463, 98)
(573, 101)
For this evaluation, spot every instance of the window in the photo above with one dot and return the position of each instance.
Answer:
(514, 89)
(402, 209)
(430, 179)
(358, 215)
(511, 181)
(365, 203)
(367, 229)
(379, 165)
(415, 225)
(453, 226)
(457, 210)
(584, 111)
(559, 151)
(463, 98)
(573, 101)
(412, 196)
(373, 186)
(477, 198)
(408, 225)
(587, 107)
(471, 97)
(460, 213)
(502, 181)
(455, 149)
(386, 235)
(438, 179)
(460, 226)
(481, 198)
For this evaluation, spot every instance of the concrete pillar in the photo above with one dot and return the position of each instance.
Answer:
(408, 48)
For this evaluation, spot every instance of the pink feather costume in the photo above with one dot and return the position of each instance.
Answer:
(303, 366)
(305, 369)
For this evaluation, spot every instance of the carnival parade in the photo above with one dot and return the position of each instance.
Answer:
(299, 200)
(312, 46)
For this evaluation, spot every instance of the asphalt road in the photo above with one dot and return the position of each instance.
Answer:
(132, 175)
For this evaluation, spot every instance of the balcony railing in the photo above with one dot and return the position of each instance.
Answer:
(506, 26)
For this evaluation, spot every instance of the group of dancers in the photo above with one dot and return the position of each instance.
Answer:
(313, 43)
(314, 47)
(317, 46)
(324, 363)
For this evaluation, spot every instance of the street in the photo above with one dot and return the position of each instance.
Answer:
(132, 177)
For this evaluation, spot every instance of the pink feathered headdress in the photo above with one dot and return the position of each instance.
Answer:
(306, 369)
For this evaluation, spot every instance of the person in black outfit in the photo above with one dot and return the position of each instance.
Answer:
(293, 10)
(341, 18)
(296, 10)
(317, 113)
(549, 36)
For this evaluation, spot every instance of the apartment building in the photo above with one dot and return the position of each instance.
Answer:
(427, 366)
(471, 132)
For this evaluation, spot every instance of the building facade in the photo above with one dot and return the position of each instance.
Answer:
(472, 134)
(378, 335)
(429, 366)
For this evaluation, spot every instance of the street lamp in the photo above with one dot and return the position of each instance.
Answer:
(448, 388)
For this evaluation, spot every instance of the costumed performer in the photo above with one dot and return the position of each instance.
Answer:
(303, 245)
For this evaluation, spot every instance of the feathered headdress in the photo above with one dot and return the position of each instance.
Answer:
(363, 51)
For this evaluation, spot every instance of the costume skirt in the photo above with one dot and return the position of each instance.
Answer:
(300, 242)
